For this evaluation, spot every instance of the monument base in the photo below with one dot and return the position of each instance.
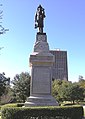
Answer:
(41, 62)
(41, 100)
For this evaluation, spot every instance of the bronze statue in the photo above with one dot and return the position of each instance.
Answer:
(39, 17)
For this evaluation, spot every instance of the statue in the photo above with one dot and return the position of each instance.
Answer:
(39, 17)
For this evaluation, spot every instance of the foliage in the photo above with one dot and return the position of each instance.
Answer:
(81, 78)
(7, 96)
(76, 92)
(21, 86)
(67, 91)
(0, 115)
(4, 82)
(82, 83)
(56, 84)
(13, 105)
(42, 112)
(57, 88)
(0, 112)
(2, 29)
(84, 110)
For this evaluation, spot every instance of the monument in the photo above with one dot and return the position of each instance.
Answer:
(41, 61)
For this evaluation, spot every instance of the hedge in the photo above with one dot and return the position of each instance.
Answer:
(53, 112)
(0, 107)
(13, 105)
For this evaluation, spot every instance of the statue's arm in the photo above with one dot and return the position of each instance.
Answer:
(43, 13)
(36, 17)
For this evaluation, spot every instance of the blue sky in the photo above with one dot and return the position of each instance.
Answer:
(64, 26)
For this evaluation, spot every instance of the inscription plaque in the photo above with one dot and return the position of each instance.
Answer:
(41, 80)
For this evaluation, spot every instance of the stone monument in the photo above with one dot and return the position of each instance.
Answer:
(41, 61)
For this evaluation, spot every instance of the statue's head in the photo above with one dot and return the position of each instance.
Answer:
(39, 6)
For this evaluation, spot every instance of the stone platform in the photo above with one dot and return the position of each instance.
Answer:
(44, 100)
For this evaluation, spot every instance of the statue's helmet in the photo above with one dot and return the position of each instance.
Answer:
(39, 6)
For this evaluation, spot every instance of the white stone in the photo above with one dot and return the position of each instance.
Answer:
(41, 62)
(41, 79)
(41, 100)
(41, 44)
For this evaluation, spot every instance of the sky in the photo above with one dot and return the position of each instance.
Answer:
(64, 25)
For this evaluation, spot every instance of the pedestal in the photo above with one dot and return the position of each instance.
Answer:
(41, 62)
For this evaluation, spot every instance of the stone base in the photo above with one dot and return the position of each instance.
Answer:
(41, 101)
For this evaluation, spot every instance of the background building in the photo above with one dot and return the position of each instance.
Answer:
(60, 68)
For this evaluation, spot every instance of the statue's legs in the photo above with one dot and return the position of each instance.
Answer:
(41, 29)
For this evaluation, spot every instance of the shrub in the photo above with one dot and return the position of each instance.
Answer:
(13, 105)
(0, 107)
(70, 112)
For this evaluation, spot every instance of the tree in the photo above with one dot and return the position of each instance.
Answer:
(56, 89)
(3, 83)
(64, 94)
(75, 92)
(67, 91)
(81, 78)
(21, 86)
(2, 29)
(82, 83)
